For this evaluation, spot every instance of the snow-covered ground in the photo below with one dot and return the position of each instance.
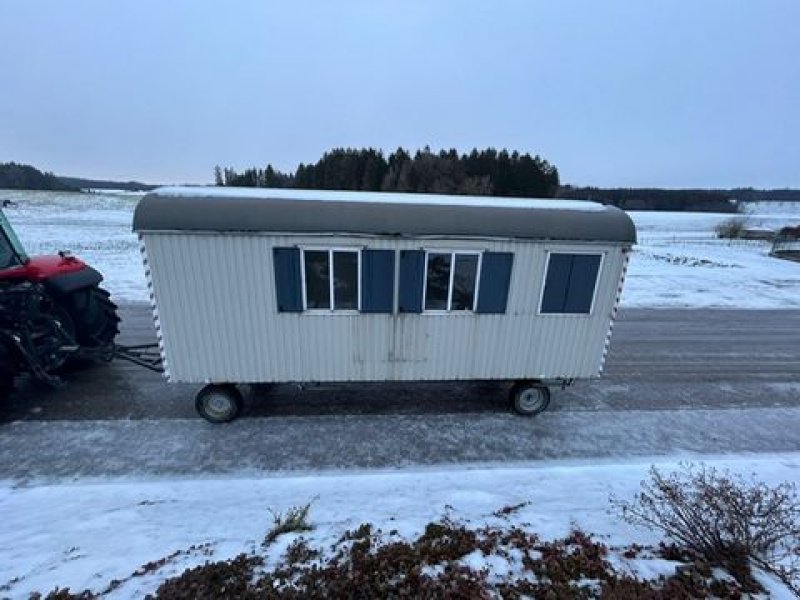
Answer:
(677, 263)
(84, 535)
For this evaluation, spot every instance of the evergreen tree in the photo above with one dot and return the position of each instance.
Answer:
(26, 177)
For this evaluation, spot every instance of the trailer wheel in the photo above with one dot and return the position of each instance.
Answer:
(219, 403)
(529, 398)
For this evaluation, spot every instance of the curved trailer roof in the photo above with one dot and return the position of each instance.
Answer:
(393, 214)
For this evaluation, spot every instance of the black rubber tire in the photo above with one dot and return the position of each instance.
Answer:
(95, 322)
(8, 371)
(68, 325)
(529, 398)
(219, 403)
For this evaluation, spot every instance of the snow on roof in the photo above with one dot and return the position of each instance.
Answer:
(377, 197)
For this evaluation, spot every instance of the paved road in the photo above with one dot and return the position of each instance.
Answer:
(697, 381)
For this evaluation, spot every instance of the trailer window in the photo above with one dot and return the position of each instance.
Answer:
(570, 283)
(451, 280)
(331, 275)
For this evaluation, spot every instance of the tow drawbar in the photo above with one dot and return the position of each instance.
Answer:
(144, 355)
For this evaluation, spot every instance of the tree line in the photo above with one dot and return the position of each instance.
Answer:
(15, 176)
(486, 172)
(696, 200)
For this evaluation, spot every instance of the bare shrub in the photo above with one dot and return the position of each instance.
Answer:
(727, 520)
(731, 228)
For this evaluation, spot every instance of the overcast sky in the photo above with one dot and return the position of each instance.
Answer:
(635, 93)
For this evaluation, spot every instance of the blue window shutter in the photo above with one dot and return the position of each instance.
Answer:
(288, 286)
(412, 272)
(582, 281)
(556, 283)
(377, 281)
(494, 283)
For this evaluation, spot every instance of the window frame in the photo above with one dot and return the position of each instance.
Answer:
(601, 254)
(330, 250)
(453, 253)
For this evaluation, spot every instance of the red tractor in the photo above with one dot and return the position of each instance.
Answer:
(53, 313)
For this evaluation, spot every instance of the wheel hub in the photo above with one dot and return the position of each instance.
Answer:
(531, 400)
(218, 405)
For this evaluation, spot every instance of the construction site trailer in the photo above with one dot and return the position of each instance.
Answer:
(276, 285)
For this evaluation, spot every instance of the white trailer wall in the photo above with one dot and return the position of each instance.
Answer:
(219, 322)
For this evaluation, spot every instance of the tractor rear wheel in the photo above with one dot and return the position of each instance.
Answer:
(94, 321)
(8, 370)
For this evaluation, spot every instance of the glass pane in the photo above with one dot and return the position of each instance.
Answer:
(318, 291)
(345, 280)
(556, 283)
(582, 280)
(11, 236)
(7, 257)
(464, 281)
(438, 282)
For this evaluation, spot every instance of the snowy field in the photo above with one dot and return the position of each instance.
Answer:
(677, 263)
(86, 534)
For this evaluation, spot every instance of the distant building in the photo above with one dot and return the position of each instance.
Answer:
(787, 243)
(757, 233)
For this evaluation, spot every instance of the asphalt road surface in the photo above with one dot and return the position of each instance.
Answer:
(676, 381)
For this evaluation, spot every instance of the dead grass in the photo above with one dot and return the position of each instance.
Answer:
(294, 521)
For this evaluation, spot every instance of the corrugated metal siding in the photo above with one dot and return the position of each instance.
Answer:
(615, 309)
(154, 306)
(217, 313)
